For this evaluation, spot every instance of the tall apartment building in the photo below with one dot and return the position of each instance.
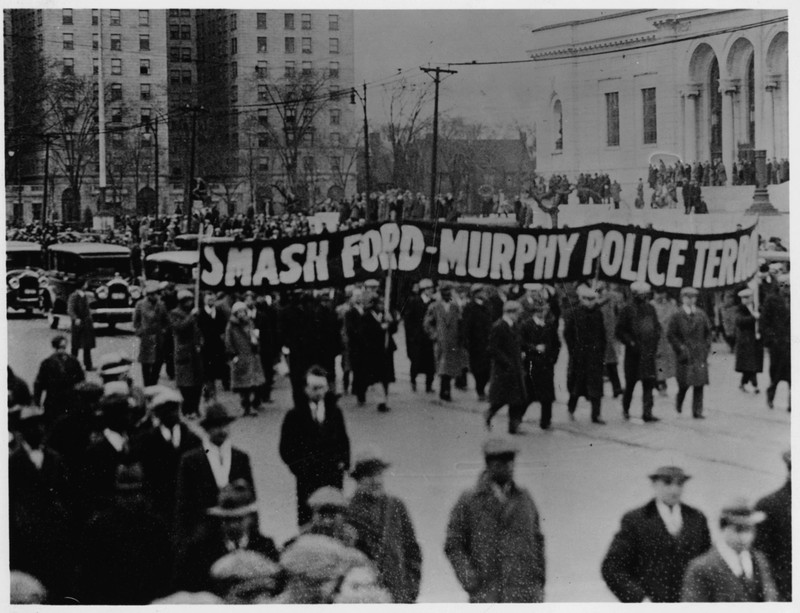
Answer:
(59, 122)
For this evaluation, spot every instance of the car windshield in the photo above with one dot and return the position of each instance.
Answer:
(20, 259)
(168, 271)
(107, 265)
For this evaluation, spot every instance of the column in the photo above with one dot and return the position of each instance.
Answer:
(691, 125)
(728, 136)
(769, 118)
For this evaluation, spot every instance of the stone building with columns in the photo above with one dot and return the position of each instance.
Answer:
(611, 91)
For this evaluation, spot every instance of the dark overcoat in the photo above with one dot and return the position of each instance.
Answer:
(188, 348)
(506, 384)
(376, 363)
(774, 537)
(497, 548)
(749, 350)
(690, 337)
(646, 561)
(710, 579)
(246, 370)
(639, 330)
(78, 309)
(776, 331)
(665, 354)
(150, 323)
(419, 346)
(212, 329)
(58, 374)
(540, 365)
(477, 324)
(585, 336)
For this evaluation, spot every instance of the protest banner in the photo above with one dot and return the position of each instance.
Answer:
(476, 253)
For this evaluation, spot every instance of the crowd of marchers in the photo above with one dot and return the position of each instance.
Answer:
(149, 483)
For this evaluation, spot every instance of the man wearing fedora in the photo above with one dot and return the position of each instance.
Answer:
(655, 543)
(494, 542)
(507, 383)
(689, 333)
(541, 346)
(188, 345)
(749, 349)
(233, 527)
(385, 531)
(776, 327)
(732, 571)
(328, 506)
(419, 346)
(638, 329)
(477, 323)
(150, 324)
(774, 534)
(443, 326)
(80, 314)
(205, 470)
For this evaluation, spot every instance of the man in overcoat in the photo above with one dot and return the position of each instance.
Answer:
(58, 374)
(749, 349)
(655, 543)
(665, 355)
(150, 324)
(776, 330)
(477, 324)
(689, 334)
(188, 347)
(494, 541)
(385, 531)
(80, 314)
(212, 321)
(507, 383)
(585, 336)
(444, 327)
(314, 443)
(419, 346)
(774, 534)
(541, 346)
(639, 331)
(242, 348)
(732, 570)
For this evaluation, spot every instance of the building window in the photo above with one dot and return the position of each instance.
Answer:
(95, 16)
(144, 18)
(333, 70)
(116, 65)
(233, 21)
(261, 21)
(333, 92)
(174, 31)
(234, 46)
(289, 70)
(263, 139)
(144, 91)
(174, 77)
(186, 54)
(95, 65)
(186, 77)
(66, 17)
(336, 139)
(186, 32)
(186, 13)
(306, 44)
(174, 12)
(116, 17)
(262, 44)
(116, 141)
(263, 117)
(262, 91)
(263, 164)
(334, 45)
(68, 68)
(234, 70)
(336, 164)
(333, 22)
(262, 69)
(144, 42)
(288, 44)
(145, 119)
(234, 93)
(116, 42)
(306, 69)
(290, 116)
(144, 67)
(95, 41)
(116, 114)
(558, 127)
(116, 91)
(649, 124)
(612, 119)
(336, 117)
(174, 54)
(305, 19)
(68, 41)
(288, 21)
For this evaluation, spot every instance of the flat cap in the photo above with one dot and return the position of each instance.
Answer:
(745, 293)
(584, 291)
(739, 511)
(372, 283)
(184, 294)
(243, 565)
(640, 287)
(368, 461)
(689, 291)
(151, 391)
(671, 473)
(425, 284)
(475, 288)
(114, 364)
(216, 414)
(165, 398)
(499, 446)
(327, 497)
(116, 388)
(314, 557)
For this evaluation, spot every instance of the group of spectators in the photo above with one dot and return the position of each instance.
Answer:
(742, 172)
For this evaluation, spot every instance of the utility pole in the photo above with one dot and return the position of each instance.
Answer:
(435, 151)
(369, 205)
(101, 119)
(47, 138)
(187, 198)
(155, 156)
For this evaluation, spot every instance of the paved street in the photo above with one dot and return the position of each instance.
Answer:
(582, 476)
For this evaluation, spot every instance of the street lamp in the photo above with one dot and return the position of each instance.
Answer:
(371, 213)
(18, 212)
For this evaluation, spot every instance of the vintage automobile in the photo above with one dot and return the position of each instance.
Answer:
(178, 267)
(107, 268)
(24, 275)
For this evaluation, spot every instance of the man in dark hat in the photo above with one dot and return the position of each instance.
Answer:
(732, 571)
(80, 313)
(689, 333)
(314, 443)
(507, 386)
(57, 377)
(385, 531)
(150, 324)
(188, 345)
(477, 323)
(328, 506)
(235, 529)
(504, 563)
(419, 346)
(443, 325)
(205, 470)
(655, 543)
(212, 322)
(776, 329)
(774, 534)
(638, 329)
(541, 346)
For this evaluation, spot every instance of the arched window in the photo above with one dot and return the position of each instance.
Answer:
(715, 110)
(558, 127)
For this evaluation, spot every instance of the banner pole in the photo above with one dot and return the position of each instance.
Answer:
(387, 303)
(197, 279)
